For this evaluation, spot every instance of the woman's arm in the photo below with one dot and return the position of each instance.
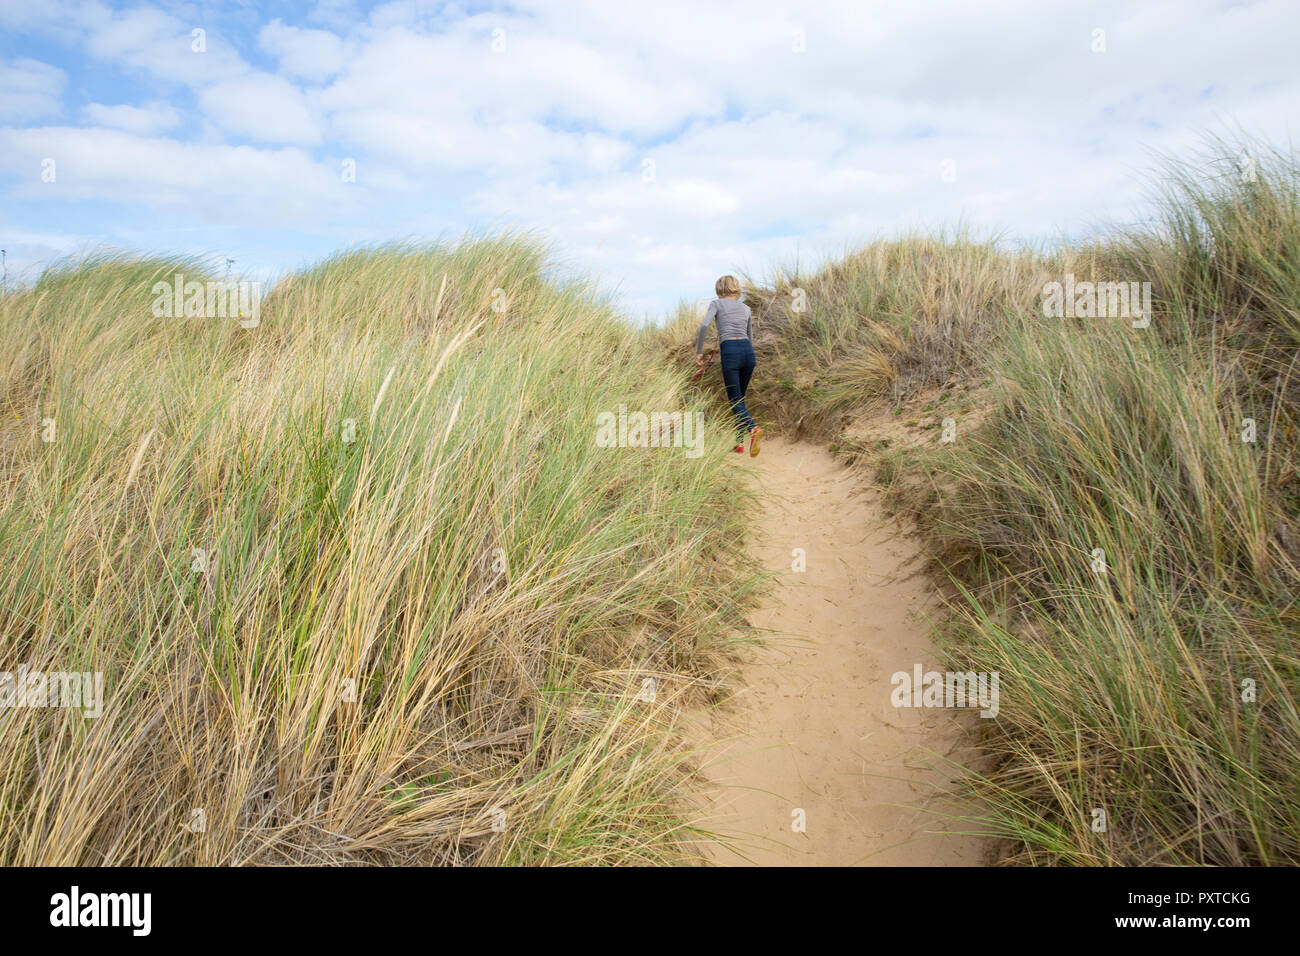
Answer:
(704, 327)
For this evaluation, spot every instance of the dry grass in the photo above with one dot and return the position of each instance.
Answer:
(360, 675)
(880, 326)
(1161, 691)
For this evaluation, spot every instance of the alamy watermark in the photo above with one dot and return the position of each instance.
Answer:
(1098, 300)
(946, 689)
(626, 429)
(209, 299)
(75, 908)
(29, 688)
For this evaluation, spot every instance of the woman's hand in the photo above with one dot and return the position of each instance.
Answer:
(699, 360)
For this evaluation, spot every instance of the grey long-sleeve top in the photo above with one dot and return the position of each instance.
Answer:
(733, 318)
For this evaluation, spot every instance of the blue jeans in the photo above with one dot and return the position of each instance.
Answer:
(737, 366)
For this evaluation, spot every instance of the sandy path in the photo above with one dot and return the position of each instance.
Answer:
(811, 726)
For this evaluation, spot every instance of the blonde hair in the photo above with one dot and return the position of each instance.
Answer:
(727, 285)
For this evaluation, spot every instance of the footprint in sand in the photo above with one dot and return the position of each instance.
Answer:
(807, 743)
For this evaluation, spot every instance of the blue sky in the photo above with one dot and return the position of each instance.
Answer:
(657, 145)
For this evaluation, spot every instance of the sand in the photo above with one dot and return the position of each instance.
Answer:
(811, 734)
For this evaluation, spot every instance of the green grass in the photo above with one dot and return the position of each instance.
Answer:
(1123, 691)
(428, 644)
(396, 636)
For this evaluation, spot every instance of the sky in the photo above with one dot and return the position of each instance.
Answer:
(656, 145)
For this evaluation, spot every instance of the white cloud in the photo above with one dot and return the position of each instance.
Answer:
(262, 107)
(313, 55)
(143, 120)
(206, 183)
(29, 90)
(155, 44)
(761, 153)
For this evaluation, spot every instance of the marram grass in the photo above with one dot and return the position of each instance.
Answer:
(1120, 529)
(362, 586)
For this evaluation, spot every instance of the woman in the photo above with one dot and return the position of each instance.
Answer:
(735, 326)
